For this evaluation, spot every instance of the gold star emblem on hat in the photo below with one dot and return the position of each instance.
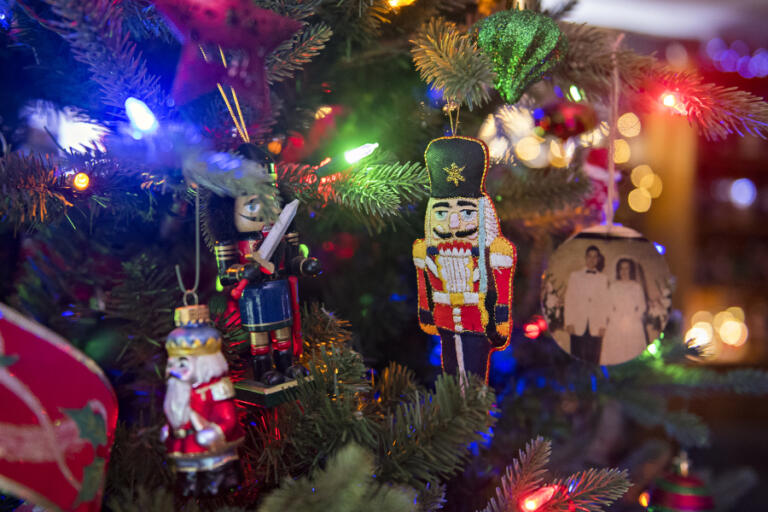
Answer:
(454, 174)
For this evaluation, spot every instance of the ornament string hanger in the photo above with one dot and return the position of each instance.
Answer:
(449, 107)
(192, 292)
(608, 206)
(238, 119)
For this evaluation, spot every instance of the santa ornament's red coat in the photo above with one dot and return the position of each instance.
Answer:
(213, 403)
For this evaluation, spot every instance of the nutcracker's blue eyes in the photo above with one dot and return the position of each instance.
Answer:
(467, 215)
(252, 208)
(441, 214)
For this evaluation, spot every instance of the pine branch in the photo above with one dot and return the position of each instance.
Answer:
(143, 21)
(589, 491)
(346, 484)
(588, 63)
(561, 10)
(322, 331)
(94, 30)
(526, 193)
(717, 111)
(298, 10)
(145, 298)
(357, 21)
(425, 437)
(33, 191)
(524, 475)
(326, 414)
(291, 56)
(686, 428)
(143, 499)
(529, 468)
(137, 464)
(375, 190)
(379, 190)
(451, 61)
(396, 383)
(431, 497)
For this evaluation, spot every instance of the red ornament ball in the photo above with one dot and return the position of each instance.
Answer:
(678, 493)
(565, 119)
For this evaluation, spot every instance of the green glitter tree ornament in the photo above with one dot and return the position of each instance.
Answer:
(523, 45)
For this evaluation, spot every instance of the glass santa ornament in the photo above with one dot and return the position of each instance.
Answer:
(202, 432)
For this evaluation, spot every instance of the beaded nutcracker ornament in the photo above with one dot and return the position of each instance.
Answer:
(464, 265)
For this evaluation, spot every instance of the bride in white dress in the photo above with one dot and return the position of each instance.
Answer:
(625, 336)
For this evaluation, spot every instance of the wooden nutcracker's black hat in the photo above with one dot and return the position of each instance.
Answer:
(457, 166)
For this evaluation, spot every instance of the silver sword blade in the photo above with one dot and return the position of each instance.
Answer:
(268, 246)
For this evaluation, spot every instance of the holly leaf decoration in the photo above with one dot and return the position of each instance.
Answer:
(93, 474)
(7, 360)
(90, 424)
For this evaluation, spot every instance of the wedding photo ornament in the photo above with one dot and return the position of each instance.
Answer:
(606, 294)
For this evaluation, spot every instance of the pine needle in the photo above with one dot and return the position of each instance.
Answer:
(346, 484)
(376, 190)
(451, 62)
(32, 191)
(716, 111)
(94, 30)
(292, 55)
(527, 194)
(588, 491)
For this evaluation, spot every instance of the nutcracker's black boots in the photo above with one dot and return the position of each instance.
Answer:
(262, 363)
(283, 360)
(284, 364)
(263, 371)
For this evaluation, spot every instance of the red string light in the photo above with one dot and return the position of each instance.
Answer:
(538, 498)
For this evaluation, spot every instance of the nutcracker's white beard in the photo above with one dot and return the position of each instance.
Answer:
(176, 404)
(178, 392)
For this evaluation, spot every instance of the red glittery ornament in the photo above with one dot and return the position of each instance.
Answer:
(565, 119)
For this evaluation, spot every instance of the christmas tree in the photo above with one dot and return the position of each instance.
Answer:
(132, 129)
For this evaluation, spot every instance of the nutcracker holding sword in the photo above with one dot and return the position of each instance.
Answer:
(262, 267)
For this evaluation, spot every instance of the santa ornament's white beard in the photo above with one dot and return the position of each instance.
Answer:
(176, 403)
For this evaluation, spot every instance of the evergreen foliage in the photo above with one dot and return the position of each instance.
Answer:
(94, 29)
(589, 490)
(289, 58)
(98, 265)
(527, 194)
(450, 61)
(347, 483)
(32, 191)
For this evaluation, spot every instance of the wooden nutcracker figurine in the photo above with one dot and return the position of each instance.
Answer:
(262, 266)
(203, 432)
(464, 265)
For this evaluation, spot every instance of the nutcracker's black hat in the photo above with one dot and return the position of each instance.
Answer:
(457, 166)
